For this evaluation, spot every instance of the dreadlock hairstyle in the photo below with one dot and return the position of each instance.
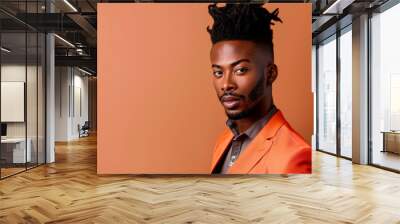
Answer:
(243, 22)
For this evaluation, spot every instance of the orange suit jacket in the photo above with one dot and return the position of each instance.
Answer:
(277, 149)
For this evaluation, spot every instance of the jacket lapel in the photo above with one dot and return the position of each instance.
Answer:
(257, 148)
(221, 147)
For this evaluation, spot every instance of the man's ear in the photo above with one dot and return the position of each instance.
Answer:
(271, 72)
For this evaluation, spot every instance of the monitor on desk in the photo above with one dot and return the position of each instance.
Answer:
(3, 130)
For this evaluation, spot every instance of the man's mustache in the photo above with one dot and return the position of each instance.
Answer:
(231, 94)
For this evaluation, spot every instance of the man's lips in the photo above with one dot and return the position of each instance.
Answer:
(230, 102)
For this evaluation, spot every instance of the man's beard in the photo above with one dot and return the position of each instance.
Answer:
(254, 95)
(246, 113)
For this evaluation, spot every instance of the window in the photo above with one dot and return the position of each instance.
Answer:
(346, 93)
(385, 89)
(22, 79)
(327, 95)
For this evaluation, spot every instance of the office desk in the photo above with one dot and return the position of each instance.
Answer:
(391, 141)
(13, 150)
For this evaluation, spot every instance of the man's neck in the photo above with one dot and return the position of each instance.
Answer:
(245, 123)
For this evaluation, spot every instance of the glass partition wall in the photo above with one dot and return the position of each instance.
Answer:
(327, 95)
(334, 94)
(345, 93)
(22, 88)
(334, 89)
(385, 89)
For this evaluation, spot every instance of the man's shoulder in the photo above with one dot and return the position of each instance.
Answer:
(290, 136)
(290, 153)
(289, 145)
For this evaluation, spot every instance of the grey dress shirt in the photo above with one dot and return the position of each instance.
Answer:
(240, 141)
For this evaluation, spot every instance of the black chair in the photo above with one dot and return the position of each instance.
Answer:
(84, 130)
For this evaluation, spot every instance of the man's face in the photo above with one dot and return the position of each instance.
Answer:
(240, 74)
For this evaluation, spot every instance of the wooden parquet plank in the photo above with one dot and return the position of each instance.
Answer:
(70, 191)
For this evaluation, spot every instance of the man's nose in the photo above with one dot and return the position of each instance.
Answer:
(228, 83)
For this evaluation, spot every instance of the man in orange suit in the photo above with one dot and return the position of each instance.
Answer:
(258, 139)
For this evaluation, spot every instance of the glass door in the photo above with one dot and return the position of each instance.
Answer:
(14, 154)
(345, 93)
(327, 95)
(385, 89)
(22, 101)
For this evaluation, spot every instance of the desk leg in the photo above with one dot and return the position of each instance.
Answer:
(384, 142)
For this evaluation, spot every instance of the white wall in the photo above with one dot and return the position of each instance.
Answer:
(71, 87)
(12, 101)
(33, 127)
(79, 117)
(16, 72)
(62, 78)
(12, 73)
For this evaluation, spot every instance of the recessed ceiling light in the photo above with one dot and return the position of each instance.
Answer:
(84, 71)
(65, 41)
(5, 50)
(70, 5)
(337, 7)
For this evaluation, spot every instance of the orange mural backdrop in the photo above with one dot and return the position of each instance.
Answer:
(157, 109)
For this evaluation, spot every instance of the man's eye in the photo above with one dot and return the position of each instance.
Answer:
(218, 74)
(241, 71)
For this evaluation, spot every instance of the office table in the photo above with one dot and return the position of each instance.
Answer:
(13, 150)
(391, 141)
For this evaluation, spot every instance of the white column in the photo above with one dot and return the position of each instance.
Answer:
(50, 92)
(360, 90)
(50, 100)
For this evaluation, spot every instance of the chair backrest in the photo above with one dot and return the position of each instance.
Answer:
(86, 124)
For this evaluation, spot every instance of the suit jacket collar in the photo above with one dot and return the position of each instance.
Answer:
(257, 148)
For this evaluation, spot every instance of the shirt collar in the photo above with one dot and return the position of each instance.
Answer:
(253, 130)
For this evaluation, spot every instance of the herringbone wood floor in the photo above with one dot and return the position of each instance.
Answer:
(69, 191)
